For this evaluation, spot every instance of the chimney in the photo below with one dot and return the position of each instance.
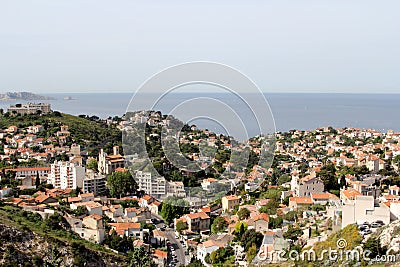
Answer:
(116, 150)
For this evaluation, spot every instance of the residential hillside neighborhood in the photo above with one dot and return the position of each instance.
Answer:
(320, 186)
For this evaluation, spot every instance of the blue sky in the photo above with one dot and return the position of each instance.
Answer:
(62, 46)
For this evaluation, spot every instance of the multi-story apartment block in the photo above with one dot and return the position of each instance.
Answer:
(66, 175)
(93, 183)
(154, 186)
(29, 108)
(306, 186)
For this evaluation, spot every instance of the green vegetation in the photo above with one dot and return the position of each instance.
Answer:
(173, 208)
(121, 184)
(219, 225)
(89, 132)
(54, 228)
(180, 226)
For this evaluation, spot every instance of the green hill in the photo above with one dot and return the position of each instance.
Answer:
(90, 132)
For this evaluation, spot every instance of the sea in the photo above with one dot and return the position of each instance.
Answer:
(303, 111)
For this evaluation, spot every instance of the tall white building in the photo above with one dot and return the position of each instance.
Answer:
(154, 186)
(66, 175)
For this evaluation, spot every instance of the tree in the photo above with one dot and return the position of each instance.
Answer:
(180, 226)
(92, 164)
(243, 214)
(121, 183)
(373, 244)
(240, 228)
(251, 237)
(219, 224)
(138, 257)
(327, 175)
(173, 208)
(293, 233)
(37, 182)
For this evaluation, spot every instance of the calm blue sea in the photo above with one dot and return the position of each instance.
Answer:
(290, 111)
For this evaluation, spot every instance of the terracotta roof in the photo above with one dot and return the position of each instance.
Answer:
(233, 197)
(323, 196)
(202, 215)
(120, 228)
(301, 200)
(351, 193)
(160, 254)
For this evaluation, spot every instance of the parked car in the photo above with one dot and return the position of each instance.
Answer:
(375, 225)
(366, 232)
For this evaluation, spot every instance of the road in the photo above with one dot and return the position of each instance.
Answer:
(179, 249)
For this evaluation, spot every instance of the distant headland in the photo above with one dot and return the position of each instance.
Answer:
(23, 96)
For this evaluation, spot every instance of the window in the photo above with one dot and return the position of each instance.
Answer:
(369, 212)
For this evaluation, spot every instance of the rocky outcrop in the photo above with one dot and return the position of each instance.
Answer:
(18, 247)
(389, 236)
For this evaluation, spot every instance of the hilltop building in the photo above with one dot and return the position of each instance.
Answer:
(29, 108)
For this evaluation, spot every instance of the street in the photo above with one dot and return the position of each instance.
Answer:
(179, 250)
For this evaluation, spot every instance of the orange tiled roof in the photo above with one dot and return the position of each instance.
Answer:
(301, 200)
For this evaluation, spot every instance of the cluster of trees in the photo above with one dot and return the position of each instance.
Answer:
(121, 184)
(121, 244)
(173, 208)
(221, 257)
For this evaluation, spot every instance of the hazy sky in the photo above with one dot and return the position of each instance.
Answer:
(284, 46)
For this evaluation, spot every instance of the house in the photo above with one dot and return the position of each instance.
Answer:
(323, 198)
(209, 184)
(129, 229)
(349, 195)
(297, 202)
(197, 222)
(107, 164)
(45, 199)
(259, 222)
(229, 202)
(207, 247)
(114, 211)
(160, 258)
(4, 192)
(308, 185)
(90, 227)
(91, 206)
(93, 228)
(159, 237)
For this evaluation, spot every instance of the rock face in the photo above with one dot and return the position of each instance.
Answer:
(390, 236)
(20, 247)
(23, 96)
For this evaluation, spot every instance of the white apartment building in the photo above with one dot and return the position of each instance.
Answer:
(154, 186)
(66, 175)
(159, 187)
(29, 108)
(364, 209)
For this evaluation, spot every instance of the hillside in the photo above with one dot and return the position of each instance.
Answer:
(90, 132)
(23, 96)
(24, 236)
